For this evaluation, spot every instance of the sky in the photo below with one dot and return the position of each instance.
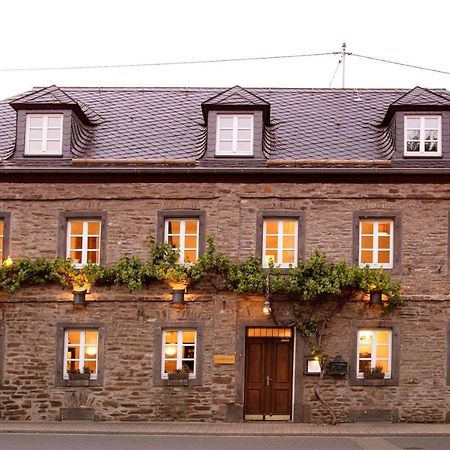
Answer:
(55, 33)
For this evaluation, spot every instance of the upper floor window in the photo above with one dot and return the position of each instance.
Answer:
(44, 134)
(183, 234)
(423, 136)
(374, 350)
(376, 243)
(80, 352)
(179, 352)
(280, 242)
(234, 135)
(83, 241)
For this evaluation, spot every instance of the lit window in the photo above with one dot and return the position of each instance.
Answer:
(80, 352)
(280, 237)
(374, 349)
(234, 135)
(183, 234)
(44, 134)
(2, 237)
(376, 243)
(179, 352)
(83, 242)
(423, 135)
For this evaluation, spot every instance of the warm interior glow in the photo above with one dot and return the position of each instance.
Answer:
(313, 365)
(91, 351)
(171, 350)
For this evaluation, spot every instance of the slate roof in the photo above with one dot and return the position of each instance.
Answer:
(168, 123)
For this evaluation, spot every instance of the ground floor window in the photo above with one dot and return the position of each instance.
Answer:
(374, 350)
(80, 352)
(179, 348)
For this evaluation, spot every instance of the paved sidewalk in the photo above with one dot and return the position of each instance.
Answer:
(224, 429)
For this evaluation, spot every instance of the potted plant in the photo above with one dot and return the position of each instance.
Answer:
(77, 375)
(374, 373)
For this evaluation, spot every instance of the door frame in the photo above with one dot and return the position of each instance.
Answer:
(298, 413)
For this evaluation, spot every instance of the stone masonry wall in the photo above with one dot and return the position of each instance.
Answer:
(28, 390)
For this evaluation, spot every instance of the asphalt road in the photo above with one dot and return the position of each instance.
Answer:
(34, 441)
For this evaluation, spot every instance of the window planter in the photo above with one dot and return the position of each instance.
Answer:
(374, 376)
(79, 376)
(178, 379)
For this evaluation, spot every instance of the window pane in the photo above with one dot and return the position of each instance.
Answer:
(363, 365)
(90, 352)
(93, 257)
(76, 243)
(271, 242)
(73, 366)
(91, 337)
(174, 241)
(75, 257)
(271, 226)
(431, 123)
(365, 337)
(53, 146)
(93, 243)
(367, 227)
(366, 257)
(170, 366)
(271, 255)
(92, 366)
(366, 242)
(94, 228)
(1, 227)
(36, 121)
(191, 226)
(384, 227)
(35, 146)
(244, 135)
(383, 336)
(189, 337)
(171, 337)
(384, 257)
(55, 122)
(412, 146)
(174, 227)
(289, 242)
(431, 146)
(170, 351)
(412, 122)
(289, 226)
(413, 135)
(73, 352)
(431, 135)
(288, 257)
(243, 146)
(190, 256)
(76, 227)
(73, 337)
(384, 364)
(384, 242)
(188, 366)
(35, 134)
(365, 351)
(226, 121)
(188, 351)
(54, 134)
(226, 135)
(382, 351)
(225, 146)
(190, 242)
(244, 122)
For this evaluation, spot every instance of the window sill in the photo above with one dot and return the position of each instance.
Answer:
(421, 156)
(373, 382)
(78, 383)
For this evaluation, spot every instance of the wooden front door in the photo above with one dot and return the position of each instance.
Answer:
(268, 374)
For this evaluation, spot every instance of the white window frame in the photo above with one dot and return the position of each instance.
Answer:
(84, 240)
(373, 358)
(422, 152)
(180, 345)
(82, 349)
(375, 249)
(44, 150)
(234, 140)
(183, 235)
(280, 248)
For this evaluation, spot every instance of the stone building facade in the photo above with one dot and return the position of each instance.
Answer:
(130, 193)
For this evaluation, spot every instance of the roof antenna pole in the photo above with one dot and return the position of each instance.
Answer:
(343, 53)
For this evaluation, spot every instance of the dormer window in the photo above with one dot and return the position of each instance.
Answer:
(423, 136)
(234, 135)
(43, 135)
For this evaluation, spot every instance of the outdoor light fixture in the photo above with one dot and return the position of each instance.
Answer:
(7, 263)
(375, 298)
(267, 308)
(178, 297)
(79, 298)
(312, 365)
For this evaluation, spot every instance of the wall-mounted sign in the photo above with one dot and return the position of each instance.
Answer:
(224, 359)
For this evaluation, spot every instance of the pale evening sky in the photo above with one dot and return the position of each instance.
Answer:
(49, 33)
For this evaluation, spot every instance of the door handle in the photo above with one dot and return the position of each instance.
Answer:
(268, 380)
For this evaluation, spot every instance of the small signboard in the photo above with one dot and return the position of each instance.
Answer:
(224, 359)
